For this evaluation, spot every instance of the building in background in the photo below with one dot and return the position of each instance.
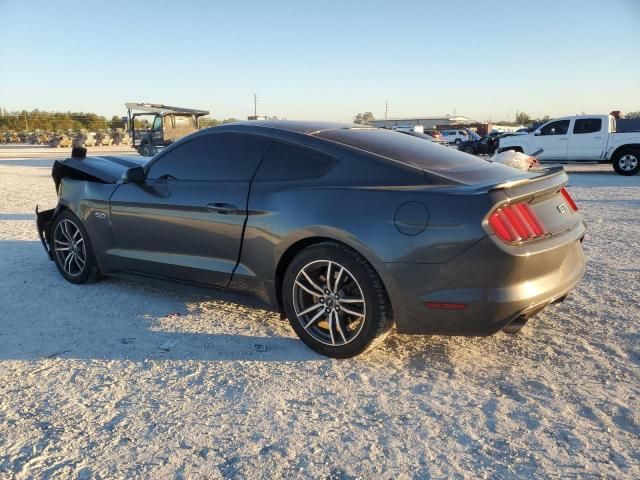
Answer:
(428, 123)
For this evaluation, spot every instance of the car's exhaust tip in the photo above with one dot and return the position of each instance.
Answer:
(516, 325)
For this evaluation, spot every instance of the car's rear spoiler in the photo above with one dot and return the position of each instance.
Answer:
(552, 178)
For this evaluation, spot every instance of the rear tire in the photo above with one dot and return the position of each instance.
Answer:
(627, 161)
(72, 250)
(469, 150)
(146, 150)
(335, 301)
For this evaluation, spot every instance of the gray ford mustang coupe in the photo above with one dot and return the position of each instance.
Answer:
(348, 230)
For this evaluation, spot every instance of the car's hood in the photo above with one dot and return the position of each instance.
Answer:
(97, 169)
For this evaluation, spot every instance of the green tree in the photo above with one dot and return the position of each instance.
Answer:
(206, 122)
(632, 115)
(365, 118)
(523, 119)
(541, 120)
(116, 122)
(230, 120)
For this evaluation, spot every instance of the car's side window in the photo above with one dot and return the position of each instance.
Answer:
(561, 127)
(587, 125)
(213, 156)
(157, 124)
(284, 162)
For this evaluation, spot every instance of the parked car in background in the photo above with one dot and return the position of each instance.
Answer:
(455, 136)
(435, 134)
(84, 138)
(485, 145)
(424, 136)
(275, 209)
(581, 138)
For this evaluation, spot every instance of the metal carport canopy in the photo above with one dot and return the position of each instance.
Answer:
(163, 109)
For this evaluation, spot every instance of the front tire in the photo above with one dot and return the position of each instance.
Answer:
(627, 162)
(146, 150)
(72, 250)
(335, 301)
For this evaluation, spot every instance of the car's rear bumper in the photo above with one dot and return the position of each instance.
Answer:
(485, 288)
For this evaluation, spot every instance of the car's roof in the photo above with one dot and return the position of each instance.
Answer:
(299, 126)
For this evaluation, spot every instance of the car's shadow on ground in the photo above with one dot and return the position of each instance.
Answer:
(44, 316)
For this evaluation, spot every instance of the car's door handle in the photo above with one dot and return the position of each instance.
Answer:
(223, 208)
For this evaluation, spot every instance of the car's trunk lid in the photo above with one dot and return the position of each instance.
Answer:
(544, 196)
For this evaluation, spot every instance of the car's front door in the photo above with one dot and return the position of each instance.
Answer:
(553, 139)
(588, 139)
(186, 220)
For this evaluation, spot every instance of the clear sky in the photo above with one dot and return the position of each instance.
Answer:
(323, 59)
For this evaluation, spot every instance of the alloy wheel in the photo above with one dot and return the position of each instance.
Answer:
(628, 162)
(69, 247)
(329, 303)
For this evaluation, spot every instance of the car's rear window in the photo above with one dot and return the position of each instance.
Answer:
(423, 154)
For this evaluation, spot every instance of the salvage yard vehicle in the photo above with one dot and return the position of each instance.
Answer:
(59, 140)
(455, 136)
(102, 139)
(486, 144)
(424, 136)
(581, 138)
(119, 137)
(168, 125)
(84, 138)
(347, 229)
(418, 132)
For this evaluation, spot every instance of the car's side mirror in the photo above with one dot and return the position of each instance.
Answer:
(133, 175)
(537, 133)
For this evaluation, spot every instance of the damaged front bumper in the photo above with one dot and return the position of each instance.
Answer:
(43, 223)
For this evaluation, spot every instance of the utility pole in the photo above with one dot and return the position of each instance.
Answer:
(386, 109)
(26, 125)
(255, 104)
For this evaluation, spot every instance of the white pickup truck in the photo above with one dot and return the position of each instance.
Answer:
(582, 138)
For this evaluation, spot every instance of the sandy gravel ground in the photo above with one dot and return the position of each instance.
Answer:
(122, 380)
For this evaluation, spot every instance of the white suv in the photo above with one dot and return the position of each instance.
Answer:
(455, 136)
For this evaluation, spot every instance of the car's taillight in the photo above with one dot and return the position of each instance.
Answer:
(516, 223)
(569, 200)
